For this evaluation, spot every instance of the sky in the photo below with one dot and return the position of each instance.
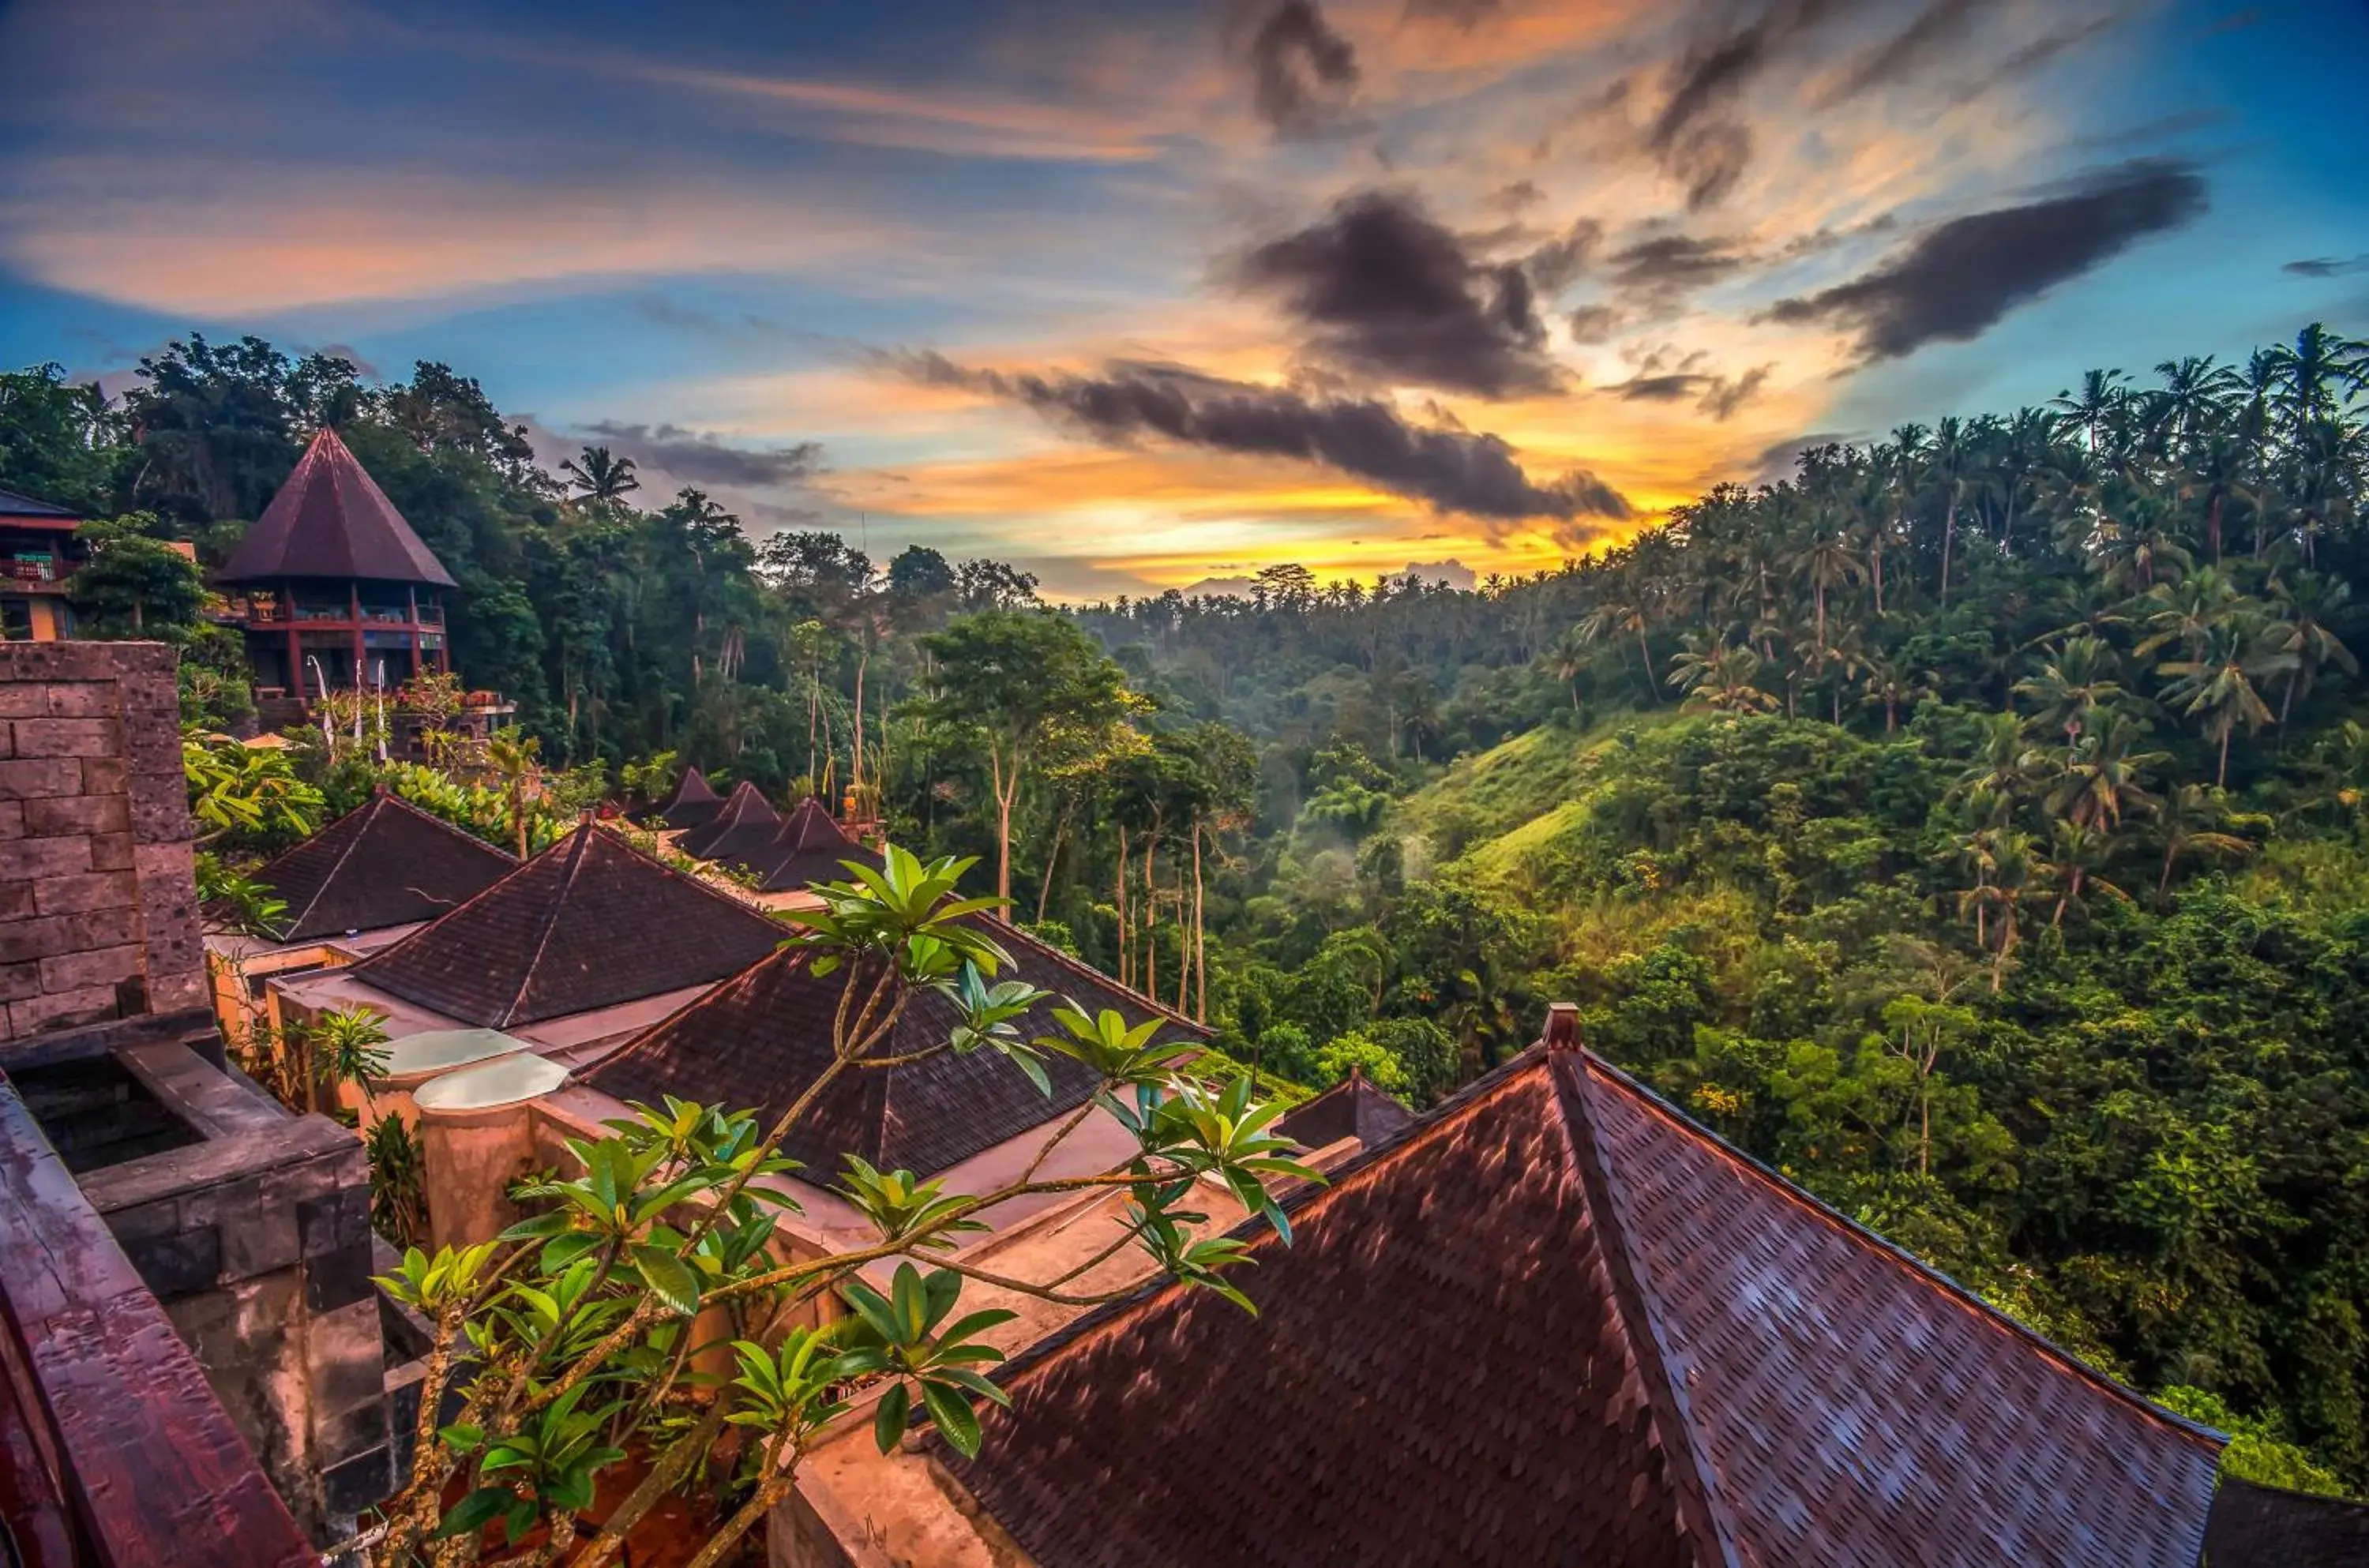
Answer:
(1139, 295)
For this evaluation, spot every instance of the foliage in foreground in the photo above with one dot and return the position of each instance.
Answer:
(574, 1339)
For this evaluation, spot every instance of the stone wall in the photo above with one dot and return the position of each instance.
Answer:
(97, 908)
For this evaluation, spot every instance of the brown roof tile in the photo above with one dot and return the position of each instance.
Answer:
(745, 820)
(1351, 1108)
(759, 1040)
(590, 923)
(693, 804)
(2267, 1527)
(386, 862)
(808, 847)
(1554, 1322)
(330, 519)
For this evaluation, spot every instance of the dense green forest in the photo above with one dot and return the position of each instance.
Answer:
(1970, 827)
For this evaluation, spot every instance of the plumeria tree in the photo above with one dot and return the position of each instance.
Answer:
(571, 1340)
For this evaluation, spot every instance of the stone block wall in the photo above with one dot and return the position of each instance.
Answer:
(99, 915)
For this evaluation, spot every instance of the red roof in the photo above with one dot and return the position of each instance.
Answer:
(745, 820)
(386, 862)
(693, 804)
(808, 847)
(330, 519)
(590, 923)
(1554, 1322)
(761, 1038)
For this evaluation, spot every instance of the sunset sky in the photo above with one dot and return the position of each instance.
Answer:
(1140, 295)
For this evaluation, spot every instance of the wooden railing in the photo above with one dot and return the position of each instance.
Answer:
(114, 1452)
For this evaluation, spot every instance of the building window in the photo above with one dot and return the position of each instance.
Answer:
(16, 620)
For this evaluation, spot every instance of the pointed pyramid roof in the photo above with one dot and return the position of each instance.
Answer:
(1554, 1322)
(763, 1038)
(809, 847)
(693, 804)
(1354, 1107)
(590, 923)
(745, 820)
(330, 519)
(384, 863)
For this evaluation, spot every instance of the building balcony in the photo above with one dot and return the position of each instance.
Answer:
(25, 575)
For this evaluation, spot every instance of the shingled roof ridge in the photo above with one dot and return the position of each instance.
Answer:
(691, 776)
(1299, 1198)
(578, 844)
(1923, 1272)
(1661, 1367)
(353, 839)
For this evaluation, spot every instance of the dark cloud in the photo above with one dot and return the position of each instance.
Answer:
(1594, 324)
(2327, 267)
(1464, 14)
(1692, 133)
(1931, 32)
(1301, 70)
(1663, 269)
(1716, 396)
(699, 457)
(1958, 279)
(1780, 460)
(1388, 293)
(1557, 264)
(352, 356)
(1520, 194)
(1452, 470)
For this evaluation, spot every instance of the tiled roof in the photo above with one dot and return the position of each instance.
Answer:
(745, 821)
(13, 504)
(590, 923)
(808, 847)
(694, 802)
(1554, 1322)
(763, 1038)
(386, 862)
(330, 519)
(1351, 1108)
(2265, 1526)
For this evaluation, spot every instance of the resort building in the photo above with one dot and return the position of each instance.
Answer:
(36, 553)
(1552, 1321)
(334, 590)
(366, 880)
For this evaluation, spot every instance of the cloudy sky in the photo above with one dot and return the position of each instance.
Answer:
(1140, 294)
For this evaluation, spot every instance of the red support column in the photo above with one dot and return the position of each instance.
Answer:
(411, 591)
(295, 644)
(354, 609)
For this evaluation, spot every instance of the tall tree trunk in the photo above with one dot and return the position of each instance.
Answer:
(1052, 859)
(1645, 654)
(855, 767)
(1949, 540)
(1005, 789)
(1125, 972)
(1150, 914)
(1200, 934)
(2221, 778)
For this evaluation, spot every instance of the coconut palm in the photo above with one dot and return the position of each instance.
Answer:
(2190, 822)
(2102, 775)
(2302, 605)
(2073, 683)
(2081, 855)
(2219, 684)
(2094, 405)
(1719, 677)
(601, 478)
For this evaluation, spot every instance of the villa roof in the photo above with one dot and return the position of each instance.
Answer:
(1351, 1108)
(808, 847)
(744, 821)
(693, 803)
(330, 519)
(386, 862)
(2290, 1529)
(590, 923)
(24, 510)
(1554, 1322)
(763, 1038)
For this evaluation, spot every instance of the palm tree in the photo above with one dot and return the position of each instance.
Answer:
(2102, 777)
(2196, 391)
(1571, 655)
(514, 759)
(1888, 683)
(600, 478)
(2187, 612)
(2216, 685)
(1719, 677)
(2073, 684)
(2095, 405)
(2082, 855)
(1828, 564)
(2190, 822)
(2302, 605)
(2308, 372)
(1947, 463)
(1624, 615)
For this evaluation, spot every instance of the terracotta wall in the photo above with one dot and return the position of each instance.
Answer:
(97, 908)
